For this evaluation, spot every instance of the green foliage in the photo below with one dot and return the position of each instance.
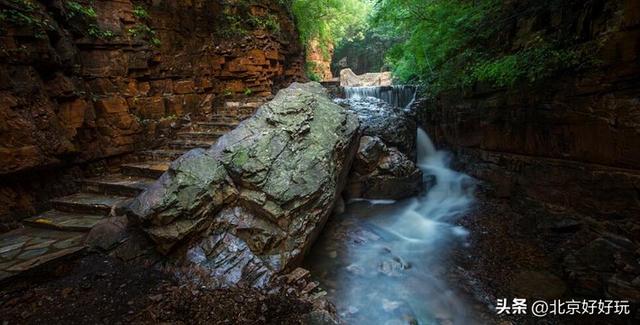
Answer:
(145, 32)
(95, 31)
(140, 12)
(233, 24)
(76, 9)
(248, 91)
(237, 21)
(446, 44)
(155, 41)
(87, 16)
(329, 21)
(268, 22)
(310, 70)
(533, 64)
(142, 29)
(21, 13)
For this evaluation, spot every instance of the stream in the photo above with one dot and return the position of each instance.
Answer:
(387, 262)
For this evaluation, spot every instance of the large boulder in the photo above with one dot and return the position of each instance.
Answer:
(382, 172)
(251, 206)
(396, 126)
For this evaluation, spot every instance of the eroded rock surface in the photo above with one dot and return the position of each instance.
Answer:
(250, 206)
(396, 127)
(381, 172)
(68, 98)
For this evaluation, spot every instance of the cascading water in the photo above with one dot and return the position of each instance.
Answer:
(386, 262)
(396, 96)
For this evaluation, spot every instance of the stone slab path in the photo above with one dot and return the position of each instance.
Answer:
(60, 232)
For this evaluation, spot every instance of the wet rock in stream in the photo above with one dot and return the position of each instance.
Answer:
(395, 126)
(381, 172)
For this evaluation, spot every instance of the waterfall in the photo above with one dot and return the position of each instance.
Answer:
(424, 147)
(395, 267)
(397, 96)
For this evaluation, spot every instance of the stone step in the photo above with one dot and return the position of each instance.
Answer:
(200, 135)
(252, 104)
(233, 117)
(223, 118)
(90, 203)
(27, 248)
(236, 113)
(152, 169)
(117, 184)
(66, 221)
(161, 154)
(190, 144)
(215, 126)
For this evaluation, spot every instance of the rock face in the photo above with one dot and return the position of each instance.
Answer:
(67, 97)
(395, 126)
(350, 79)
(251, 205)
(569, 146)
(380, 172)
(319, 60)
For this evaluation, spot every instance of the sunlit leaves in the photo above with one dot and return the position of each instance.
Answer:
(329, 21)
(455, 43)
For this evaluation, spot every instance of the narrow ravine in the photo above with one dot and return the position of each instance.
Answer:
(387, 262)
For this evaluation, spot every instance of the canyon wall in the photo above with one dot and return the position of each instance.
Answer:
(81, 82)
(319, 60)
(569, 145)
(572, 141)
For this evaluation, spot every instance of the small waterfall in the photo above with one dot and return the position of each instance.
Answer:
(397, 96)
(424, 146)
(395, 266)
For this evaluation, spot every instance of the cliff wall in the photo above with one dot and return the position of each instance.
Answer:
(81, 82)
(569, 146)
(572, 141)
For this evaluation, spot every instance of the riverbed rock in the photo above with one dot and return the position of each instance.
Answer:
(251, 206)
(537, 284)
(396, 126)
(382, 172)
(108, 233)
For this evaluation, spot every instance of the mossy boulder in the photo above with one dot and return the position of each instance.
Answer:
(251, 206)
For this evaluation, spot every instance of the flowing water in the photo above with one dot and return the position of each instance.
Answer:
(387, 262)
(397, 96)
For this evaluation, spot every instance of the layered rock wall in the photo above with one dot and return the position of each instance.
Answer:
(573, 141)
(76, 88)
(319, 60)
(569, 147)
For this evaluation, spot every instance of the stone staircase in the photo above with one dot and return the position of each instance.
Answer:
(60, 232)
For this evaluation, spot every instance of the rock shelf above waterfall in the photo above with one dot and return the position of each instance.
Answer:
(350, 79)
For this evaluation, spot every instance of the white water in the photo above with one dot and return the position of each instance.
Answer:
(388, 263)
(397, 96)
